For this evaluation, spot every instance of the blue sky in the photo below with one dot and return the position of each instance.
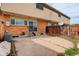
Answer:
(70, 9)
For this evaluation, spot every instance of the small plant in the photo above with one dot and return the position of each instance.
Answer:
(72, 51)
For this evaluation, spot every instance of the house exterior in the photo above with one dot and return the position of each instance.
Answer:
(24, 18)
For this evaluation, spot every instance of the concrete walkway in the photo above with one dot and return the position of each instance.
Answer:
(41, 46)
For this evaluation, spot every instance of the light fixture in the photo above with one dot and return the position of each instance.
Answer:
(7, 23)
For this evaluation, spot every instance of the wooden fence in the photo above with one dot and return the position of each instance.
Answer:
(53, 30)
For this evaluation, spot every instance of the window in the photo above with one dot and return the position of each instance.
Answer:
(30, 23)
(35, 26)
(12, 21)
(59, 15)
(25, 22)
(18, 22)
(39, 6)
(32, 26)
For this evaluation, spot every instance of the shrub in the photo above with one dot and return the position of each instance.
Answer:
(72, 51)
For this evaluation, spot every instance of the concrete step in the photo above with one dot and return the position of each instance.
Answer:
(52, 46)
(60, 42)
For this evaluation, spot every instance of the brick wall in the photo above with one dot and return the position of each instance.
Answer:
(41, 25)
(2, 27)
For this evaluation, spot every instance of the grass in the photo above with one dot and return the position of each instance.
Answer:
(74, 39)
(72, 51)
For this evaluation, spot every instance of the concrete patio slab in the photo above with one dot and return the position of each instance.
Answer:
(41, 45)
(30, 48)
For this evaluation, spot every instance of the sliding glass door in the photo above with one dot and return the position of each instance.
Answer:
(32, 26)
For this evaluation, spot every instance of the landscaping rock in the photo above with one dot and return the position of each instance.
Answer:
(5, 48)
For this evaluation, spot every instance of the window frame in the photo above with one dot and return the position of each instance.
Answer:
(15, 20)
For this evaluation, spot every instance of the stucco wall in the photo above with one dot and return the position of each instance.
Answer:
(30, 9)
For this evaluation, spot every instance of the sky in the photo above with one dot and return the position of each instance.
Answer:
(70, 9)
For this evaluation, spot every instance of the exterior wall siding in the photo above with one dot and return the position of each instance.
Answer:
(2, 27)
(41, 26)
(31, 10)
(13, 29)
(18, 30)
